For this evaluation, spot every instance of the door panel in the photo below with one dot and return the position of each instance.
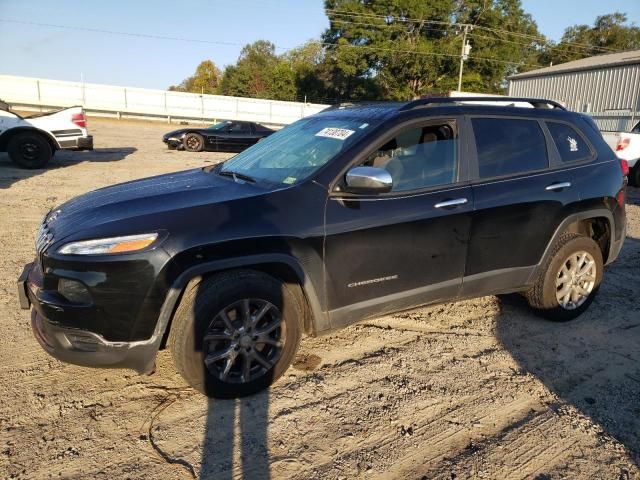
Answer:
(514, 218)
(386, 255)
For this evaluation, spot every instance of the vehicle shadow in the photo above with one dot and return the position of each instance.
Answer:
(592, 362)
(10, 173)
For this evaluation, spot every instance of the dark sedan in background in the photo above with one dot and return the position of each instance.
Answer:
(226, 136)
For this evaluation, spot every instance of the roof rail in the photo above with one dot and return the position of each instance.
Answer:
(534, 102)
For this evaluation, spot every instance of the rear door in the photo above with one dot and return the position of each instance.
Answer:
(521, 193)
(407, 247)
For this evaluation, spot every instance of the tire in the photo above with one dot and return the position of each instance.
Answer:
(193, 142)
(566, 254)
(29, 150)
(200, 333)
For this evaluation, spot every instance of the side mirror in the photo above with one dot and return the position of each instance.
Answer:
(368, 180)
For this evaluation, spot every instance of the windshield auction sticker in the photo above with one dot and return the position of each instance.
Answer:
(337, 133)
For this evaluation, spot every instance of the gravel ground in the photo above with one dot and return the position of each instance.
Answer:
(477, 389)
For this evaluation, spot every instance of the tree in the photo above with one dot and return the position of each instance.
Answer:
(310, 70)
(205, 80)
(399, 49)
(609, 33)
(259, 73)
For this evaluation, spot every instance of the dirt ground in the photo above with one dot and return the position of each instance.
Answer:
(478, 389)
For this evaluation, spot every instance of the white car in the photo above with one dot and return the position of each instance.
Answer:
(32, 141)
(627, 147)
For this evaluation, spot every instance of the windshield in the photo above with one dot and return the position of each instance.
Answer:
(636, 129)
(297, 151)
(219, 125)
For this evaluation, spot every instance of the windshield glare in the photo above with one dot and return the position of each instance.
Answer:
(297, 151)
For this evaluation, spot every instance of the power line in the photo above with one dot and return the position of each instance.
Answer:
(216, 42)
(539, 38)
(129, 34)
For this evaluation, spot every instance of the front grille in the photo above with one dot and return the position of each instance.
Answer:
(44, 238)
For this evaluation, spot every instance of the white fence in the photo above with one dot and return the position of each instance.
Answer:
(39, 92)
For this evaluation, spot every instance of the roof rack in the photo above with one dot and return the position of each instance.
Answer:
(534, 102)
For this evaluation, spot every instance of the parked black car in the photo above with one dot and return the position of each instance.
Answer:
(350, 213)
(226, 136)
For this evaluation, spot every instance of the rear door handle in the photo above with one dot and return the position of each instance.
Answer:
(451, 203)
(558, 186)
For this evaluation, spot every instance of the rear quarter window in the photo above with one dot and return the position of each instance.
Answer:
(508, 146)
(571, 146)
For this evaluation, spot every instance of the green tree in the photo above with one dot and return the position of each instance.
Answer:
(311, 72)
(205, 80)
(399, 49)
(609, 33)
(259, 73)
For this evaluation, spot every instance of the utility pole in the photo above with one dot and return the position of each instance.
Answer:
(464, 53)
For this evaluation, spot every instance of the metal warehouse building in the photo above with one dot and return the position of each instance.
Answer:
(605, 86)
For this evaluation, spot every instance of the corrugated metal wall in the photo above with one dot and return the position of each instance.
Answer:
(611, 95)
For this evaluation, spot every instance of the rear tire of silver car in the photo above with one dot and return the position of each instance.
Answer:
(569, 279)
(235, 333)
(29, 150)
(193, 142)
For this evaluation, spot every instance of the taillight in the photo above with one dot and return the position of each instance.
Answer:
(79, 119)
(622, 144)
(625, 167)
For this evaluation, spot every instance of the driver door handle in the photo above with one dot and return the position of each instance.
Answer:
(451, 203)
(558, 186)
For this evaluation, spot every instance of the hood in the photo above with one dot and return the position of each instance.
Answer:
(147, 198)
(177, 133)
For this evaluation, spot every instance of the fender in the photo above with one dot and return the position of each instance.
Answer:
(599, 212)
(4, 136)
(320, 320)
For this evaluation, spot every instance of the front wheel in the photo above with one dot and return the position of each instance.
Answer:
(193, 142)
(569, 279)
(29, 150)
(235, 333)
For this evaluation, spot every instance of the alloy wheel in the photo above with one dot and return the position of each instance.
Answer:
(244, 341)
(576, 280)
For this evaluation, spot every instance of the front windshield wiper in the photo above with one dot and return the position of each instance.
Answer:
(236, 176)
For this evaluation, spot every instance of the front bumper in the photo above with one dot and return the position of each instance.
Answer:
(77, 346)
(173, 142)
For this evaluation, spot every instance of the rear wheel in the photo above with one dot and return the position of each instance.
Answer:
(235, 333)
(569, 280)
(193, 142)
(29, 150)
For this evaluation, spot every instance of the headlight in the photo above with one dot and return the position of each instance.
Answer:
(105, 246)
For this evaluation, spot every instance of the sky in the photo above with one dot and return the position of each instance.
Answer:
(217, 29)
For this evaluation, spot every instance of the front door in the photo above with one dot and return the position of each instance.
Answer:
(407, 247)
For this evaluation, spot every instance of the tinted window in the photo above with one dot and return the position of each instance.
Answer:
(240, 128)
(419, 157)
(508, 146)
(570, 144)
(636, 129)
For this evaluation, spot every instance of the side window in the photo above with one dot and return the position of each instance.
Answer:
(508, 146)
(419, 157)
(570, 144)
(240, 128)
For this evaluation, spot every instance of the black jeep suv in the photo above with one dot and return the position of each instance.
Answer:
(354, 212)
